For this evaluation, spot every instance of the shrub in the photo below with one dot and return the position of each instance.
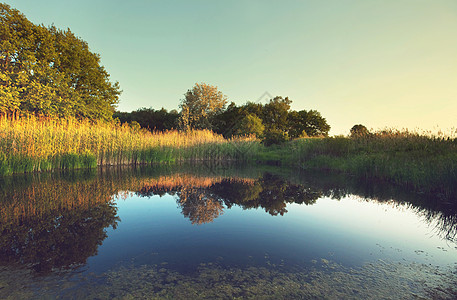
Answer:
(275, 137)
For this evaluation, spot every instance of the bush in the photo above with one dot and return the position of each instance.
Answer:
(275, 137)
(359, 130)
(250, 125)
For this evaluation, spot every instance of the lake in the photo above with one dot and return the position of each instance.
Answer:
(221, 231)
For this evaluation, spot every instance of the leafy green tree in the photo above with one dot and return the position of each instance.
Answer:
(152, 119)
(359, 130)
(226, 122)
(317, 125)
(250, 125)
(307, 123)
(275, 137)
(200, 105)
(50, 72)
(253, 109)
(278, 121)
(275, 114)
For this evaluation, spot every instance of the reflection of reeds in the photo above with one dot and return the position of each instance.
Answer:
(24, 201)
(36, 201)
(444, 224)
(29, 144)
(200, 195)
(172, 182)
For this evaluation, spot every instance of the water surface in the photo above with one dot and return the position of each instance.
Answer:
(222, 232)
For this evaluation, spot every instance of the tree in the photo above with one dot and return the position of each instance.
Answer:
(226, 122)
(275, 114)
(150, 118)
(250, 125)
(359, 130)
(307, 123)
(200, 105)
(275, 137)
(50, 72)
(253, 108)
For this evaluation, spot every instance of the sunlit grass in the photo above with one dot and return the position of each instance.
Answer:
(29, 144)
(424, 162)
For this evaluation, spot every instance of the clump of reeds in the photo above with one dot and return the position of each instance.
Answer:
(424, 162)
(29, 144)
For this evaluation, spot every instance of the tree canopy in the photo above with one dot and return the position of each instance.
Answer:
(275, 122)
(250, 125)
(46, 71)
(359, 130)
(150, 118)
(200, 105)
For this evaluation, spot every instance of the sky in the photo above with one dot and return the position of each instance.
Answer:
(389, 63)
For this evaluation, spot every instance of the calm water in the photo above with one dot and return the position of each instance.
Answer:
(200, 231)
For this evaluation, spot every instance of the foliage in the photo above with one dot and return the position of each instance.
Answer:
(359, 130)
(275, 137)
(250, 125)
(274, 114)
(423, 163)
(152, 119)
(200, 105)
(50, 72)
(280, 123)
(226, 122)
(307, 123)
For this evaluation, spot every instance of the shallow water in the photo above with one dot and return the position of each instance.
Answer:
(199, 231)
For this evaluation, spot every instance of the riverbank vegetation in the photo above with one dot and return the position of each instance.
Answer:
(423, 163)
(29, 144)
(57, 111)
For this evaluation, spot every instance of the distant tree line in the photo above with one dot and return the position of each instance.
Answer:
(273, 121)
(50, 72)
(154, 120)
(204, 107)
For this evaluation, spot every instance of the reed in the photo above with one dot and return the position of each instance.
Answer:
(29, 144)
(423, 162)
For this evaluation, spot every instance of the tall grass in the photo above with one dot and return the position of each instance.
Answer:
(425, 163)
(29, 144)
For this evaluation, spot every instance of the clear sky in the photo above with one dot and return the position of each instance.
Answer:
(381, 63)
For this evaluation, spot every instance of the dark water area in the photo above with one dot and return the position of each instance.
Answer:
(206, 231)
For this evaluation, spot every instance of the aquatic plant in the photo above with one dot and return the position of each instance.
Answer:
(29, 144)
(421, 162)
(323, 280)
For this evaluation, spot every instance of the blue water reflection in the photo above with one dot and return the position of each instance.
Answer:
(153, 231)
(118, 225)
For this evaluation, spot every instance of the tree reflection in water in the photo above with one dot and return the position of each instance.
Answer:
(57, 241)
(204, 198)
(52, 222)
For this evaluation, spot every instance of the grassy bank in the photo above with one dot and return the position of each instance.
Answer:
(424, 163)
(28, 145)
